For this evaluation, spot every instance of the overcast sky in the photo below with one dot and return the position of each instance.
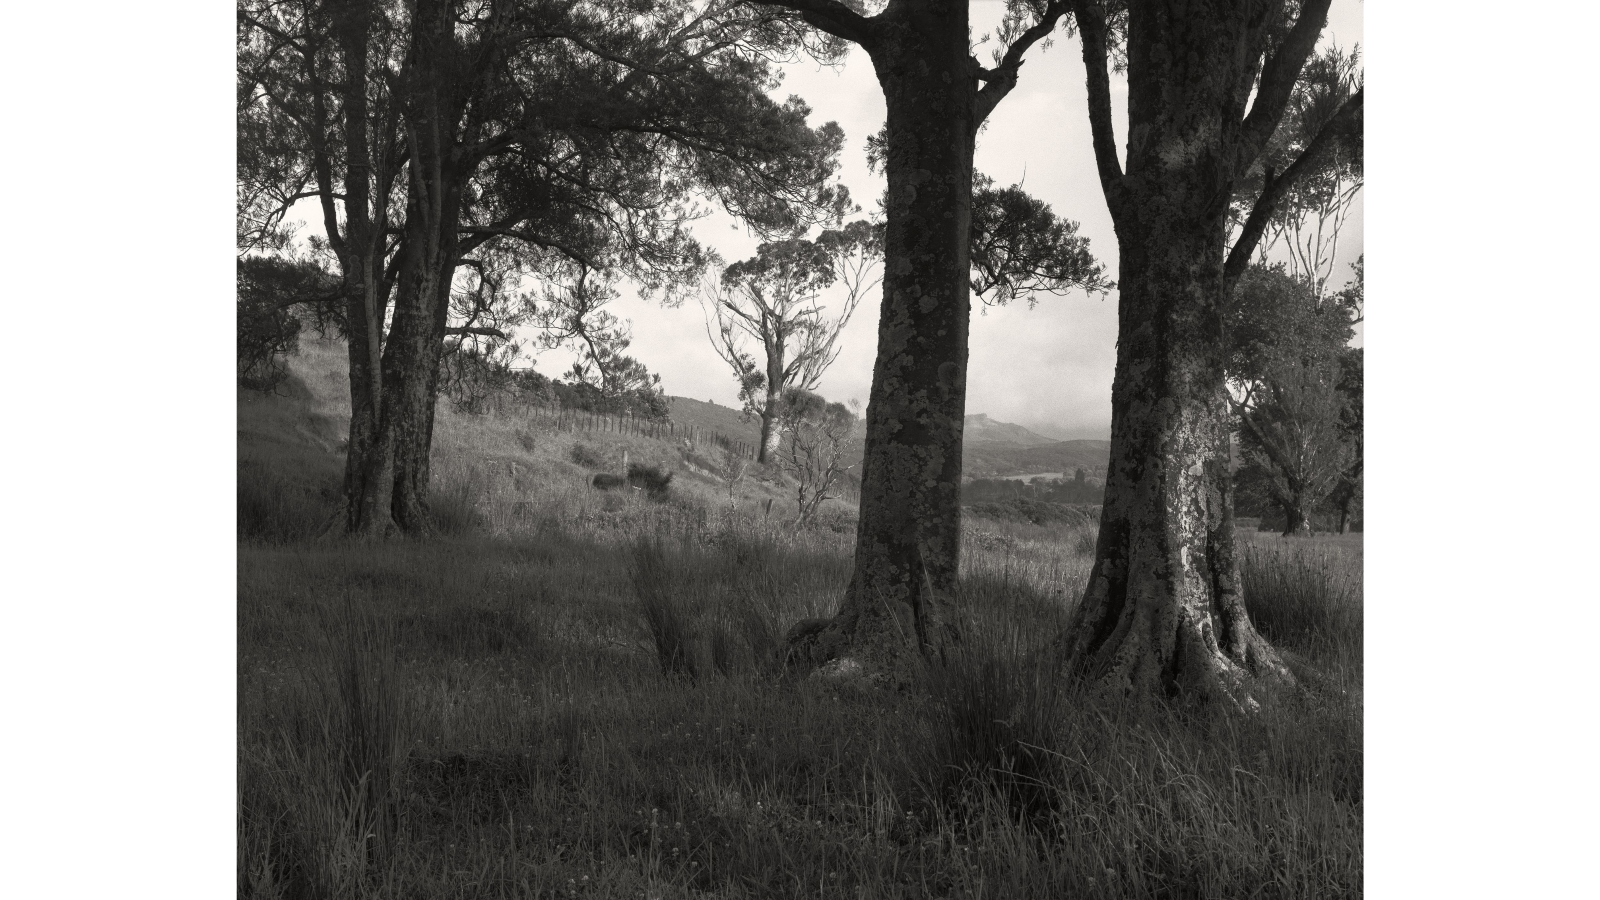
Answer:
(1048, 368)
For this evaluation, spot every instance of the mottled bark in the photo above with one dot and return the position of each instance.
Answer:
(1163, 611)
(359, 246)
(908, 536)
(771, 409)
(438, 175)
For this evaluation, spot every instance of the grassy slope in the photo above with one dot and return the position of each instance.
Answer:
(485, 714)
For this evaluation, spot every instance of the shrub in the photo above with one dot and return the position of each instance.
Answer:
(588, 456)
(650, 479)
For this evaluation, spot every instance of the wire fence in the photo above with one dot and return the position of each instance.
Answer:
(563, 419)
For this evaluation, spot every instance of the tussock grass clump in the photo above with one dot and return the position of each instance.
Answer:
(1305, 596)
(320, 791)
(279, 508)
(666, 610)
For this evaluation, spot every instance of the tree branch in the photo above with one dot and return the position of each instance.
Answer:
(480, 330)
(1273, 189)
(1278, 77)
(832, 17)
(1091, 19)
(1003, 77)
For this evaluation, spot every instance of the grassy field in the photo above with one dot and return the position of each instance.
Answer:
(571, 693)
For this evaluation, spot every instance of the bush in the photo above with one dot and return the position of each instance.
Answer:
(587, 456)
(650, 479)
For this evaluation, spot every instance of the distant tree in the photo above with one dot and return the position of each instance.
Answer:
(1294, 435)
(816, 433)
(772, 299)
(434, 132)
(1208, 87)
(1285, 358)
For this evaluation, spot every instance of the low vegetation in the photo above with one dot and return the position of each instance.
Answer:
(576, 693)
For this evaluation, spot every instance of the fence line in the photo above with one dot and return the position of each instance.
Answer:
(561, 418)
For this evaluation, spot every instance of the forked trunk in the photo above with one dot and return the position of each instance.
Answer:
(909, 533)
(1163, 613)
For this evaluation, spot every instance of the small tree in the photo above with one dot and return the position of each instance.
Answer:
(815, 436)
(1284, 368)
(772, 299)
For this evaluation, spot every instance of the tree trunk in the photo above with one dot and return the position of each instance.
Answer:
(1344, 516)
(422, 306)
(1297, 523)
(771, 434)
(1163, 612)
(909, 533)
(369, 458)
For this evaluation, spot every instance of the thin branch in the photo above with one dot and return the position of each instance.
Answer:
(1275, 188)
(481, 330)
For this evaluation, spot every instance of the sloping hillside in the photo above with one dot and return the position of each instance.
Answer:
(988, 460)
(980, 429)
(714, 417)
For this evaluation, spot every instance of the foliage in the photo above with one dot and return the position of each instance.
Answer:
(1021, 248)
(1308, 218)
(650, 479)
(1286, 360)
(269, 289)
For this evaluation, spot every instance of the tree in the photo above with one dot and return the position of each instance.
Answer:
(1208, 86)
(937, 96)
(815, 435)
(771, 298)
(1286, 344)
(1294, 437)
(573, 131)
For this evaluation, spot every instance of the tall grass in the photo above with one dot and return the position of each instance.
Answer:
(578, 694)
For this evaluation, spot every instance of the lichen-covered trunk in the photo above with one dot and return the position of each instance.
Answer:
(438, 174)
(1163, 612)
(369, 459)
(411, 364)
(909, 533)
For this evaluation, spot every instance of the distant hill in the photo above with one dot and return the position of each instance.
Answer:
(991, 448)
(980, 429)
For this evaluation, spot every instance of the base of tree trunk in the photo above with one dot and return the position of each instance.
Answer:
(1172, 649)
(884, 644)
